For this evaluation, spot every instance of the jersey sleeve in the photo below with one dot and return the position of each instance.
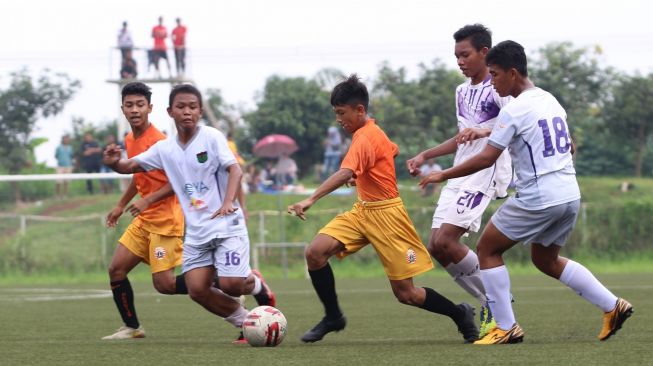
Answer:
(225, 156)
(504, 131)
(150, 159)
(360, 156)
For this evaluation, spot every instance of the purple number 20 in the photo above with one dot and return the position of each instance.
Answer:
(561, 137)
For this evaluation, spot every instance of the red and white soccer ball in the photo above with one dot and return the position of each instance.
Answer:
(265, 326)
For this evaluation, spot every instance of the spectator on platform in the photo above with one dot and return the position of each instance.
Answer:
(128, 67)
(179, 43)
(160, 50)
(125, 42)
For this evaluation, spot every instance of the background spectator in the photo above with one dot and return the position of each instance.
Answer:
(160, 51)
(128, 66)
(91, 158)
(64, 156)
(179, 43)
(332, 152)
(125, 42)
(286, 171)
(107, 185)
(427, 168)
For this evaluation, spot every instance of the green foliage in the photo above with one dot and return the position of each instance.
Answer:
(22, 104)
(296, 107)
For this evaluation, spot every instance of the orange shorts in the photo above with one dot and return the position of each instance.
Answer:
(161, 252)
(387, 226)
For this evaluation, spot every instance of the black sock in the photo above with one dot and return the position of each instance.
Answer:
(325, 286)
(262, 297)
(180, 285)
(123, 296)
(436, 303)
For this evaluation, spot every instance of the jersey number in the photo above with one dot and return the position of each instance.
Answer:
(232, 258)
(561, 136)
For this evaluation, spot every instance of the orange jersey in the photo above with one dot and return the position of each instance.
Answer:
(164, 217)
(371, 158)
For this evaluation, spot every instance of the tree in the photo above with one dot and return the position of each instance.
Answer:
(21, 105)
(296, 107)
(416, 114)
(629, 114)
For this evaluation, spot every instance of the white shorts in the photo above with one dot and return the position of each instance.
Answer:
(461, 208)
(230, 256)
(551, 225)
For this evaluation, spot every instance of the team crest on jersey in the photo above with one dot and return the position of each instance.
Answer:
(411, 256)
(159, 252)
(202, 157)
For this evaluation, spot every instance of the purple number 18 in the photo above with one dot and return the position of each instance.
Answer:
(561, 137)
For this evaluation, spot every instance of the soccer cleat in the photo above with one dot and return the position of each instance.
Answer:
(323, 327)
(126, 332)
(466, 324)
(500, 336)
(613, 320)
(266, 296)
(487, 322)
(241, 339)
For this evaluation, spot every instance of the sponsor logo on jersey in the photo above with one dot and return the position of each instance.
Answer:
(411, 256)
(202, 157)
(195, 187)
(159, 252)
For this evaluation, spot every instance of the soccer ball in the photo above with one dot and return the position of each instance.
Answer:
(265, 326)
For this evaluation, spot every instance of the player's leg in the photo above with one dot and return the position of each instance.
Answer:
(235, 256)
(199, 281)
(165, 253)
(430, 300)
(491, 246)
(317, 254)
(122, 263)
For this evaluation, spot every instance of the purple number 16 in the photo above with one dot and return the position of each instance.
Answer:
(561, 137)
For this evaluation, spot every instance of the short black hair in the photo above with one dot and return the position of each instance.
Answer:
(478, 34)
(137, 88)
(508, 55)
(350, 92)
(186, 89)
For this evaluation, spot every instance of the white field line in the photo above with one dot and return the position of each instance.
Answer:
(61, 294)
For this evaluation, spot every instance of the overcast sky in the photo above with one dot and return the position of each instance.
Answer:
(235, 45)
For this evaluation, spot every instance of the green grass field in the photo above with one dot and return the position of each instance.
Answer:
(62, 325)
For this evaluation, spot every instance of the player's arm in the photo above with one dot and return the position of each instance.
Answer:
(332, 183)
(233, 182)
(111, 158)
(143, 203)
(445, 148)
(480, 161)
(470, 134)
(116, 212)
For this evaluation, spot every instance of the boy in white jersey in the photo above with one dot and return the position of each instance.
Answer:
(462, 201)
(204, 175)
(543, 213)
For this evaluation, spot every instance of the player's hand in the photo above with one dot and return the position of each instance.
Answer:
(111, 155)
(435, 177)
(299, 209)
(137, 207)
(413, 164)
(470, 134)
(226, 209)
(112, 217)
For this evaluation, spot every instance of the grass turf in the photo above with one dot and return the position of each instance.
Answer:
(62, 325)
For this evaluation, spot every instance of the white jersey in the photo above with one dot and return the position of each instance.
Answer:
(198, 175)
(534, 129)
(477, 106)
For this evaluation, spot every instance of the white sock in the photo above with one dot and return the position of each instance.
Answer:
(583, 282)
(257, 285)
(237, 317)
(467, 275)
(497, 286)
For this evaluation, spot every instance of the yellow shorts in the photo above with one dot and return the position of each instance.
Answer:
(386, 225)
(161, 252)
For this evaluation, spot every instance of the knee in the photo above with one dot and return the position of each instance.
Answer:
(439, 248)
(233, 289)
(315, 258)
(166, 287)
(407, 297)
(545, 265)
(199, 295)
(116, 272)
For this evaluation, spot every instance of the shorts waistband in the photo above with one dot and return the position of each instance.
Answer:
(376, 205)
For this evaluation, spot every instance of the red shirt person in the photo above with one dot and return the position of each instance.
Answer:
(160, 50)
(179, 43)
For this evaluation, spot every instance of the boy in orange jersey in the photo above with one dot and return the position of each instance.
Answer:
(379, 218)
(155, 235)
